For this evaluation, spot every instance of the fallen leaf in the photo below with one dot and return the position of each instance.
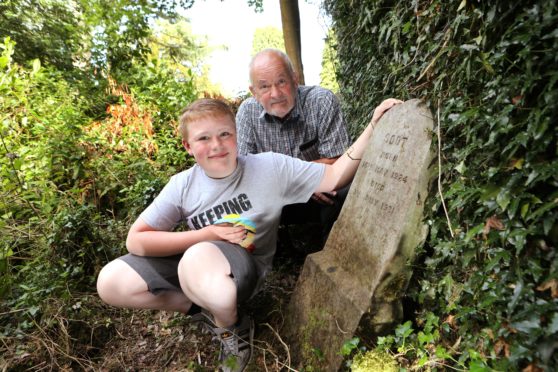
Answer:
(532, 368)
(451, 321)
(551, 284)
(502, 346)
(493, 223)
(516, 163)
(489, 333)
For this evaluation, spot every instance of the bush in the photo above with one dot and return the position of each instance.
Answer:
(490, 276)
(72, 181)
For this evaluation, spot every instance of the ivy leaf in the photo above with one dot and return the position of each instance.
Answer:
(524, 210)
(404, 330)
(469, 47)
(516, 292)
(503, 199)
(349, 346)
(461, 168)
(528, 325)
(553, 326)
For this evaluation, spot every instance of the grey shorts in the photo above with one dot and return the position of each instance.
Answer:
(161, 273)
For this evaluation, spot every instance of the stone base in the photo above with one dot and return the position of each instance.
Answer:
(317, 317)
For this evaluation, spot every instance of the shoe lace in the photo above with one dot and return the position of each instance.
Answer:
(229, 343)
(234, 342)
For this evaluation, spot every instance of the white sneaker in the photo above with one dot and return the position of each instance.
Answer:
(236, 345)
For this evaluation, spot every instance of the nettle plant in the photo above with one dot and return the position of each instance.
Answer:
(488, 273)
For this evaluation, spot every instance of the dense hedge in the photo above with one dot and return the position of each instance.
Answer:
(486, 287)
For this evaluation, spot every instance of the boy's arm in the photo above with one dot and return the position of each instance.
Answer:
(341, 172)
(144, 240)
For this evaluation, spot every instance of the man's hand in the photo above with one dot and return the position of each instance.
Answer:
(325, 198)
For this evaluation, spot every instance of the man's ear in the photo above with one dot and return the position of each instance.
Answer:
(187, 146)
(252, 90)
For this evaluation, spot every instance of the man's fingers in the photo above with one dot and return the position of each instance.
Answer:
(322, 198)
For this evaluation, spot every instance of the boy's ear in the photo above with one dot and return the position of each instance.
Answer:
(187, 146)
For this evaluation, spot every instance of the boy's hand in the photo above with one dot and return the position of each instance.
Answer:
(382, 108)
(228, 232)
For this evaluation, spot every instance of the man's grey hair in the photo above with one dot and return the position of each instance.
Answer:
(278, 53)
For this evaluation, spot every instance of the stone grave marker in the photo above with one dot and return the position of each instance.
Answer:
(357, 280)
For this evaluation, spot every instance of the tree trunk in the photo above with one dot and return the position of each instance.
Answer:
(290, 19)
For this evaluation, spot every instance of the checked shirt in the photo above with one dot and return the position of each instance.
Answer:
(314, 129)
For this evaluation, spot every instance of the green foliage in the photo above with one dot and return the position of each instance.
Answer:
(72, 182)
(329, 57)
(374, 361)
(183, 53)
(43, 29)
(267, 37)
(349, 346)
(83, 35)
(483, 68)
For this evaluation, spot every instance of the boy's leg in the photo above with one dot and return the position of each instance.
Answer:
(217, 276)
(204, 275)
(120, 285)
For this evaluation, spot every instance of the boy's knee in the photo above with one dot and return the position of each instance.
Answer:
(107, 281)
(195, 254)
(102, 283)
(201, 264)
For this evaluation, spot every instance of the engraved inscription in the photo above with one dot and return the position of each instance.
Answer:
(377, 186)
(366, 164)
(356, 192)
(370, 199)
(395, 139)
(381, 170)
(382, 205)
(399, 177)
(386, 207)
(389, 156)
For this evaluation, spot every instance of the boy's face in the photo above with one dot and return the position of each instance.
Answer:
(212, 142)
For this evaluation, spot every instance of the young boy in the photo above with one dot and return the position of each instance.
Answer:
(232, 205)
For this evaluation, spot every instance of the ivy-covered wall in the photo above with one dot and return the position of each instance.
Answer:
(486, 284)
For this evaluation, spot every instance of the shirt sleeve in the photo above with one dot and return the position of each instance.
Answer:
(332, 131)
(299, 178)
(244, 130)
(165, 212)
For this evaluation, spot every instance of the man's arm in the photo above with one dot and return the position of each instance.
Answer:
(244, 130)
(144, 240)
(332, 128)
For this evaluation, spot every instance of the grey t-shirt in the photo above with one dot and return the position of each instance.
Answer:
(256, 192)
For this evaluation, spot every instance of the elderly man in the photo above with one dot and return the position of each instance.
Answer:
(305, 122)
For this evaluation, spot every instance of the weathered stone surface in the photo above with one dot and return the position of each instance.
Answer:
(357, 280)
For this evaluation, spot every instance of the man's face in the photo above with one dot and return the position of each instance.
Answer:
(273, 86)
(212, 142)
